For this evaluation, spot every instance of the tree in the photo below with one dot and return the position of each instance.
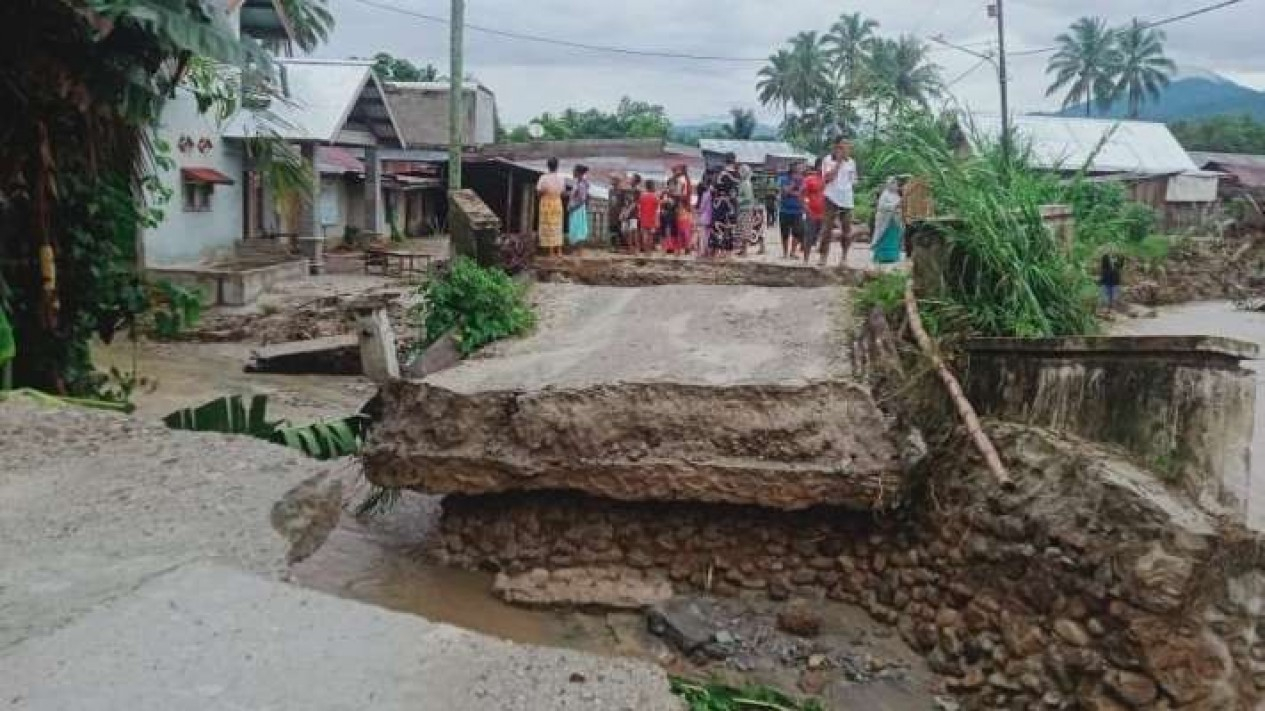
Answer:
(631, 119)
(848, 43)
(1223, 134)
(741, 126)
(389, 68)
(310, 20)
(902, 67)
(809, 76)
(1084, 64)
(1141, 70)
(773, 81)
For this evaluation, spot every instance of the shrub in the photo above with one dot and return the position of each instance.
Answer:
(885, 291)
(480, 305)
(178, 309)
(1137, 222)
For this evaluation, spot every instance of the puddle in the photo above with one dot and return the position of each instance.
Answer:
(1220, 318)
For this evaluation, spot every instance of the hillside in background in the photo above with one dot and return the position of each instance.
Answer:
(1191, 95)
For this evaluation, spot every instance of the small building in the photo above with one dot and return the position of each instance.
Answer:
(770, 157)
(1142, 156)
(422, 110)
(1242, 181)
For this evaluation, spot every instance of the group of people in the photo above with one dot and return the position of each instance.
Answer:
(720, 216)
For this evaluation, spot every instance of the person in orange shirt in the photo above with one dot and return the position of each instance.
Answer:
(648, 216)
(815, 207)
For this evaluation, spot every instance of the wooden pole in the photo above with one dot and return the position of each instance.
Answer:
(965, 411)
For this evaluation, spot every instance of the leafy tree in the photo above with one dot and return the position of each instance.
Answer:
(809, 76)
(741, 126)
(631, 119)
(848, 45)
(389, 68)
(1226, 134)
(1084, 66)
(773, 81)
(902, 67)
(310, 20)
(1141, 70)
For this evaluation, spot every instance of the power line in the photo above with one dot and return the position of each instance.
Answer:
(560, 42)
(1148, 25)
(968, 72)
(629, 51)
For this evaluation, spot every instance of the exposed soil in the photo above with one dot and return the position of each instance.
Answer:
(606, 269)
(1202, 271)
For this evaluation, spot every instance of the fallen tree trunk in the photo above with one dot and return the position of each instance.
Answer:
(966, 412)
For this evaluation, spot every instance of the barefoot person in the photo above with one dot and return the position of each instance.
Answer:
(550, 188)
(839, 172)
(814, 208)
(791, 215)
(725, 207)
(648, 216)
(578, 208)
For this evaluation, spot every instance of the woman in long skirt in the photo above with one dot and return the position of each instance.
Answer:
(578, 208)
(725, 208)
(550, 188)
(702, 247)
(889, 228)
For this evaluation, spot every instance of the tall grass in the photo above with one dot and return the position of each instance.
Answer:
(1005, 275)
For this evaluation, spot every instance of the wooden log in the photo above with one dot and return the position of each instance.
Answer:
(966, 412)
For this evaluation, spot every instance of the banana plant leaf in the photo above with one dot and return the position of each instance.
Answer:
(231, 415)
(8, 346)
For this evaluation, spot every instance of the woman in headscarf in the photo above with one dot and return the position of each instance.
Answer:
(550, 188)
(889, 225)
(750, 221)
(578, 208)
(725, 208)
(702, 248)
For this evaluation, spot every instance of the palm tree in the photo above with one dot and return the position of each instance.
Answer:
(773, 83)
(742, 126)
(903, 66)
(1142, 69)
(1083, 65)
(809, 71)
(848, 43)
(310, 20)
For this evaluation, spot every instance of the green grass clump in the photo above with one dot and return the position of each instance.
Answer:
(718, 697)
(481, 305)
(885, 291)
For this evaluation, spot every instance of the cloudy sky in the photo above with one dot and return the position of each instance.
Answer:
(529, 78)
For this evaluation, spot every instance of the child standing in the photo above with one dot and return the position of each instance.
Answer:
(814, 207)
(648, 216)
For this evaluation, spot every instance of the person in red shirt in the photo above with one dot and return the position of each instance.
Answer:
(648, 216)
(814, 207)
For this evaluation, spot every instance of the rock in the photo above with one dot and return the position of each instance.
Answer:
(1187, 667)
(972, 680)
(307, 514)
(817, 661)
(724, 637)
(812, 682)
(1021, 637)
(1137, 690)
(681, 623)
(577, 678)
(947, 617)
(1071, 632)
(608, 588)
(800, 621)
(1158, 580)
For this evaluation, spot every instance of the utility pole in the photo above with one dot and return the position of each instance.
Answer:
(456, 92)
(1002, 78)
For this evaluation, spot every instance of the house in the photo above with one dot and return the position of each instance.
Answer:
(1142, 156)
(1242, 179)
(422, 109)
(220, 197)
(771, 157)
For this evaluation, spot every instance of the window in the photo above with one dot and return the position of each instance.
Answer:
(197, 196)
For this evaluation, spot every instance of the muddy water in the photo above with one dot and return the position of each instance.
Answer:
(1220, 318)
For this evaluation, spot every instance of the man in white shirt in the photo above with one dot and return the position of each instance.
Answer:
(839, 172)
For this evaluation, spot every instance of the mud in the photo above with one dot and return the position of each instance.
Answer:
(1200, 271)
(602, 269)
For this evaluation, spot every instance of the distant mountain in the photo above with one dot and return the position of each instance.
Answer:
(702, 128)
(1193, 94)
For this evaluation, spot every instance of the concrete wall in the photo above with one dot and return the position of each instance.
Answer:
(188, 237)
(1182, 406)
(421, 109)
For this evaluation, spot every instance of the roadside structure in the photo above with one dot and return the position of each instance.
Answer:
(768, 156)
(1144, 157)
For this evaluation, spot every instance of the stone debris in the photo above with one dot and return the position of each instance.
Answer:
(625, 271)
(609, 588)
(308, 513)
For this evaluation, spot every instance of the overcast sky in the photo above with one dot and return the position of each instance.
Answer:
(529, 78)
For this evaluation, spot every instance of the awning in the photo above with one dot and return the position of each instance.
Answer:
(208, 176)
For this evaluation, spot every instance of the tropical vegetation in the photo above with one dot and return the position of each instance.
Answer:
(389, 68)
(477, 305)
(631, 119)
(825, 83)
(706, 696)
(83, 83)
(232, 415)
(1096, 65)
(1226, 134)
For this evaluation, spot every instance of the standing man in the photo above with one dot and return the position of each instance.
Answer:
(791, 213)
(839, 172)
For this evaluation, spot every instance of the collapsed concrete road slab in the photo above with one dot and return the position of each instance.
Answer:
(683, 393)
(602, 269)
(207, 637)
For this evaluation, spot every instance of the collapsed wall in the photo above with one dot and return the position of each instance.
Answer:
(1090, 583)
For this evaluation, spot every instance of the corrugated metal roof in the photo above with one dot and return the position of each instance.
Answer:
(1068, 143)
(1248, 169)
(752, 152)
(322, 95)
(334, 160)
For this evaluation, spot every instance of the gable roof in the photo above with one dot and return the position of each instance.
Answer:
(751, 152)
(325, 96)
(1248, 169)
(1060, 143)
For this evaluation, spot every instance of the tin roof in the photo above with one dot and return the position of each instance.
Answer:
(335, 160)
(752, 152)
(324, 95)
(1060, 143)
(1248, 169)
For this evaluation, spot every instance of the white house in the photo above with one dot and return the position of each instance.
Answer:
(219, 198)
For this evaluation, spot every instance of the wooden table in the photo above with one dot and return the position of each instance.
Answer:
(391, 262)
